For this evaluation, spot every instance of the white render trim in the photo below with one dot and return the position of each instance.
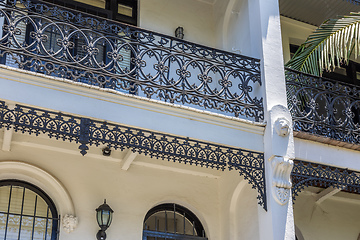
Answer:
(330, 155)
(325, 194)
(297, 23)
(64, 85)
(40, 178)
(128, 159)
(40, 92)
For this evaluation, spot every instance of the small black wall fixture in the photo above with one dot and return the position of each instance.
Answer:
(179, 32)
(106, 151)
(104, 215)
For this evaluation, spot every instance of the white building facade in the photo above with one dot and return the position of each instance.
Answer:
(180, 114)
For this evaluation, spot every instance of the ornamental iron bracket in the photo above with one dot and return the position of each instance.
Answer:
(306, 174)
(88, 132)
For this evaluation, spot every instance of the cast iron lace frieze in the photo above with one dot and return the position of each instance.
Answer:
(324, 107)
(60, 42)
(88, 132)
(305, 174)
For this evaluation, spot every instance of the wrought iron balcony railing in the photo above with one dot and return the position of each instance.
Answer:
(61, 42)
(323, 106)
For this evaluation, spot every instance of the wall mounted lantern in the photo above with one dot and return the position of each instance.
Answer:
(103, 216)
(179, 32)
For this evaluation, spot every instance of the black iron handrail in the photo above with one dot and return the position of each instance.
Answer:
(62, 42)
(324, 107)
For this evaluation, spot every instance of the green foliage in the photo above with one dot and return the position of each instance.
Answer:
(331, 44)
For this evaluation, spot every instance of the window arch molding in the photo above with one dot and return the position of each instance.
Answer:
(180, 210)
(46, 182)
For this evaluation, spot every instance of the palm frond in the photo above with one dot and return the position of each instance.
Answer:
(331, 44)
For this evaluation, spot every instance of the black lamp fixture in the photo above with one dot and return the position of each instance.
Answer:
(179, 32)
(106, 151)
(104, 215)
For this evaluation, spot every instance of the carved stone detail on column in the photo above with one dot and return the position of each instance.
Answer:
(69, 222)
(281, 178)
(282, 195)
(282, 127)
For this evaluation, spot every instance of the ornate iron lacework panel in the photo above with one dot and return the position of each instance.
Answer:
(356, 2)
(60, 42)
(305, 174)
(324, 107)
(88, 132)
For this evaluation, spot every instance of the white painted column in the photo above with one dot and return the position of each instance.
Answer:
(278, 222)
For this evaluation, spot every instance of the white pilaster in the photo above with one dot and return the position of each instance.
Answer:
(278, 222)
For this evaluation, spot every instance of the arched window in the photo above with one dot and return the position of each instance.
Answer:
(172, 221)
(26, 212)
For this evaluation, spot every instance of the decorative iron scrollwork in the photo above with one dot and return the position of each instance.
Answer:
(324, 107)
(88, 132)
(48, 39)
(305, 174)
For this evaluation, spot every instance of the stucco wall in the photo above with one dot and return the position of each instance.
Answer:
(164, 16)
(239, 209)
(222, 24)
(335, 218)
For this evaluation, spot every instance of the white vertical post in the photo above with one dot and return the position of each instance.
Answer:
(278, 222)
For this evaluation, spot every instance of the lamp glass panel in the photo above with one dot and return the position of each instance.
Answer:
(98, 217)
(106, 218)
(110, 218)
(4, 198)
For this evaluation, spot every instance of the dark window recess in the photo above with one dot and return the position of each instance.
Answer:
(293, 49)
(86, 8)
(349, 73)
(123, 10)
(120, 10)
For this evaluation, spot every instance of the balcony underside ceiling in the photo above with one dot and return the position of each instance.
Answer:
(316, 12)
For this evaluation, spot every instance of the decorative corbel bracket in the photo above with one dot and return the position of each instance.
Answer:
(282, 127)
(69, 223)
(281, 186)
